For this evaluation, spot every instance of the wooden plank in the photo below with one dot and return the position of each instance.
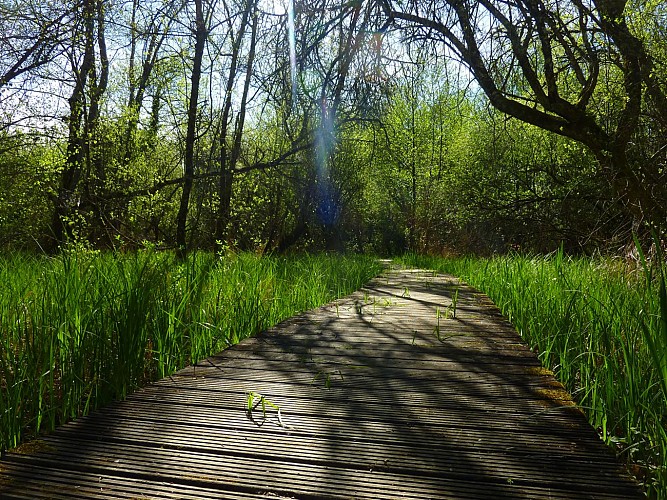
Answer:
(306, 479)
(381, 395)
(509, 460)
(58, 483)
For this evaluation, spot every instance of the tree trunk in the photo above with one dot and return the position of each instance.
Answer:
(66, 201)
(95, 166)
(190, 137)
(228, 158)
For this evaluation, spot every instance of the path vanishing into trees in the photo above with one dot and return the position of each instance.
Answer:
(391, 392)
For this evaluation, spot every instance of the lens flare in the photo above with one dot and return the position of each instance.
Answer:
(328, 209)
(328, 198)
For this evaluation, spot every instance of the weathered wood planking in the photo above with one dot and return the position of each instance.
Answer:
(383, 395)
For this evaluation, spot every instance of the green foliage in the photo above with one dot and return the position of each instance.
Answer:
(599, 324)
(444, 173)
(523, 187)
(84, 328)
(418, 161)
(28, 168)
(436, 172)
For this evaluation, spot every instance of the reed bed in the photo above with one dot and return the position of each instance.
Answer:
(601, 326)
(85, 328)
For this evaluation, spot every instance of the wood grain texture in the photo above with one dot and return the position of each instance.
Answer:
(384, 394)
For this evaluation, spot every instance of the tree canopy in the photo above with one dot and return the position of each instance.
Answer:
(447, 125)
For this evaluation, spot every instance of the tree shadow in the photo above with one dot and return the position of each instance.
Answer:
(372, 396)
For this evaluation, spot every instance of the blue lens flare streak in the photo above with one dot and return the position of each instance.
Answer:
(327, 195)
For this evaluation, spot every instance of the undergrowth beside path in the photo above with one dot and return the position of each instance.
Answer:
(601, 326)
(85, 328)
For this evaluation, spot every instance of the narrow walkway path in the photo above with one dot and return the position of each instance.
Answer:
(390, 393)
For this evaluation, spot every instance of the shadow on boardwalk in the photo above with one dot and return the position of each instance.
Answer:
(384, 394)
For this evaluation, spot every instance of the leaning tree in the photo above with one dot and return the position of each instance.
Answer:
(578, 68)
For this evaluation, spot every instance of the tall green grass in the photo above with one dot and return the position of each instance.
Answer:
(601, 326)
(84, 328)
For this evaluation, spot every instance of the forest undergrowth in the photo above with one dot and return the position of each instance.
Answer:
(85, 328)
(601, 325)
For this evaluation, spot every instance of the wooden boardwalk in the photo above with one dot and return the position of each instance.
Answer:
(384, 395)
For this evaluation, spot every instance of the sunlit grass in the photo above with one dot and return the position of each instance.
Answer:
(84, 328)
(601, 326)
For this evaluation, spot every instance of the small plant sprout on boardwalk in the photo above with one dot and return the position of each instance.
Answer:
(436, 330)
(326, 377)
(455, 300)
(254, 400)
